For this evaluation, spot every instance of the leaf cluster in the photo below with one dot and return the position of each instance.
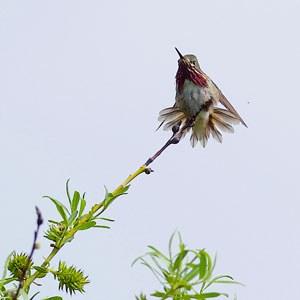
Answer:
(185, 275)
(73, 218)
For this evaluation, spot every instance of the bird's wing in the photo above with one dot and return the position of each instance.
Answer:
(223, 100)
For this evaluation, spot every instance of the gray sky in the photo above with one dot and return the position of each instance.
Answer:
(81, 86)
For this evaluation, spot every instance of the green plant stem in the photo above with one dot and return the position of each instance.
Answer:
(140, 170)
(46, 262)
(70, 234)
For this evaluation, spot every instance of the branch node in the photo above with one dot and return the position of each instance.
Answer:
(148, 171)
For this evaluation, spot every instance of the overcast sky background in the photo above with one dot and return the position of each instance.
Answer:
(81, 86)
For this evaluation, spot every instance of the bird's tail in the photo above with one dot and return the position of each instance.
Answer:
(206, 124)
(219, 119)
(171, 116)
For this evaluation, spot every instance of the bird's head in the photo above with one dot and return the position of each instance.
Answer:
(189, 69)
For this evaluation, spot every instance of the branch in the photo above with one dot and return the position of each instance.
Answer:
(34, 246)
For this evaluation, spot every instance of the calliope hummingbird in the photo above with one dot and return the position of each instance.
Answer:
(196, 100)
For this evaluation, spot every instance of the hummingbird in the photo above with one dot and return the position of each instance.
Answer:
(196, 105)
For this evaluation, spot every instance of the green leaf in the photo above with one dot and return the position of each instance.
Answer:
(179, 259)
(42, 275)
(158, 254)
(203, 265)
(141, 297)
(106, 191)
(213, 295)
(170, 279)
(60, 208)
(67, 190)
(137, 259)
(53, 298)
(158, 294)
(222, 276)
(86, 225)
(102, 226)
(183, 284)
(82, 206)
(170, 244)
(33, 296)
(75, 201)
(157, 274)
(40, 269)
(229, 282)
(217, 280)
(54, 222)
(209, 266)
(109, 197)
(106, 219)
(123, 190)
(157, 263)
(3, 279)
(72, 217)
(193, 273)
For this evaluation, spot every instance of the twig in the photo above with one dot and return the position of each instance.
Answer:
(34, 246)
(174, 139)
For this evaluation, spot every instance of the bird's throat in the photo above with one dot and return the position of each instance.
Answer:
(186, 72)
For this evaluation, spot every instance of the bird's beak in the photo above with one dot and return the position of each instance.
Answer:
(180, 55)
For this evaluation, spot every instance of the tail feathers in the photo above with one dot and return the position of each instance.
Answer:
(201, 136)
(227, 116)
(219, 119)
(200, 132)
(220, 122)
(171, 116)
(204, 135)
(168, 113)
(206, 124)
(216, 134)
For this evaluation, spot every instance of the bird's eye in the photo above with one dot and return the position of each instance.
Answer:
(193, 63)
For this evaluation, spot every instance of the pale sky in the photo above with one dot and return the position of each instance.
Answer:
(81, 86)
